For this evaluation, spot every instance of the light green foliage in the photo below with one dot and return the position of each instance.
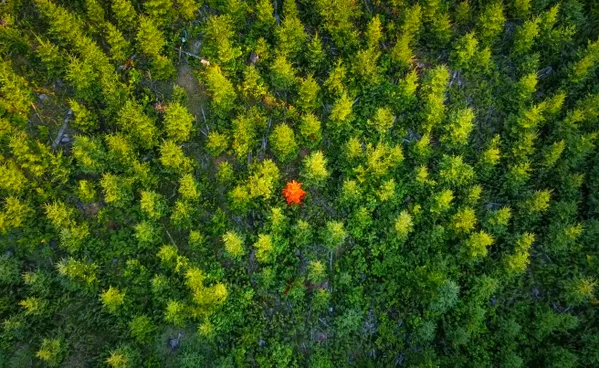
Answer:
(282, 74)
(521, 7)
(119, 46)
(499, 220)
(553, 153)
(175, 313)
(525, 36)
(316, 53)
(84, 119)
(382, 158)
(59, 214)
(526, 86)
(478, 243)
(89, 154)
(11, 178)
(441, 202)
(433, 91)
(365, 65)
(290, 34)
(120, 149)
(283, 142)
(538, 202)
(464, 221)
(187, 9)
(263, 179)
(135, 122)
(459, 128)
(124, 13)
(72, 239)
(404, 225)
(517, 262)
(141, 328)
(466, 50)
(316, 272)
(173, 158)
(307, 99)
(448, 153)
(160, 11)
(82, 76)
(310, 130)
(374, 32)
(217, 143)
(253, 85)
(188, 187)
(492, 154)
(490, 22)
(220, 89)
(33, 306)
(412, 21)
(16, 94)
(152, 204)
(264, 13)
(149, 37)
(382, 121)
(147, 233)
(78, 271)
(334, 234)
(14, 215)
(338, 19)
(315, 169)
(116, 190)
(50, 352)
(341, 111)
(402, 52)
(334, 82)
(387, 190)
(580, 290)
(219, 46)
(178, 122)
(233, 244)
(350, 190)
(454, 171)
(112, 299)
(587, 64)
(264, 248)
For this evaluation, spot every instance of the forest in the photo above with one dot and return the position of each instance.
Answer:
(299, 183)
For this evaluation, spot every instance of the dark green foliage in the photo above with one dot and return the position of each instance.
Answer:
(448, 161)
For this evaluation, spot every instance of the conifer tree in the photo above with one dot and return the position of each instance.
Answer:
(220, 89)
(161, 11)
(135, 122)
(338, 19)
(307, 100)
(310, 130)
(112, 299)
(178, 122)
(283, 142)
(119, 46)
(282, 74)
(315, 171)
(173, 158)
(433, 91)
(525, 36)
(290, 34)
(219, 46)
(150, 39)
(124, 12)
(490, 22)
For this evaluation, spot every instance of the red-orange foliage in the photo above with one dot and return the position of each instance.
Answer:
(293, 192)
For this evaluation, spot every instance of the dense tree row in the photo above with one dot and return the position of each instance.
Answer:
(447, 155)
